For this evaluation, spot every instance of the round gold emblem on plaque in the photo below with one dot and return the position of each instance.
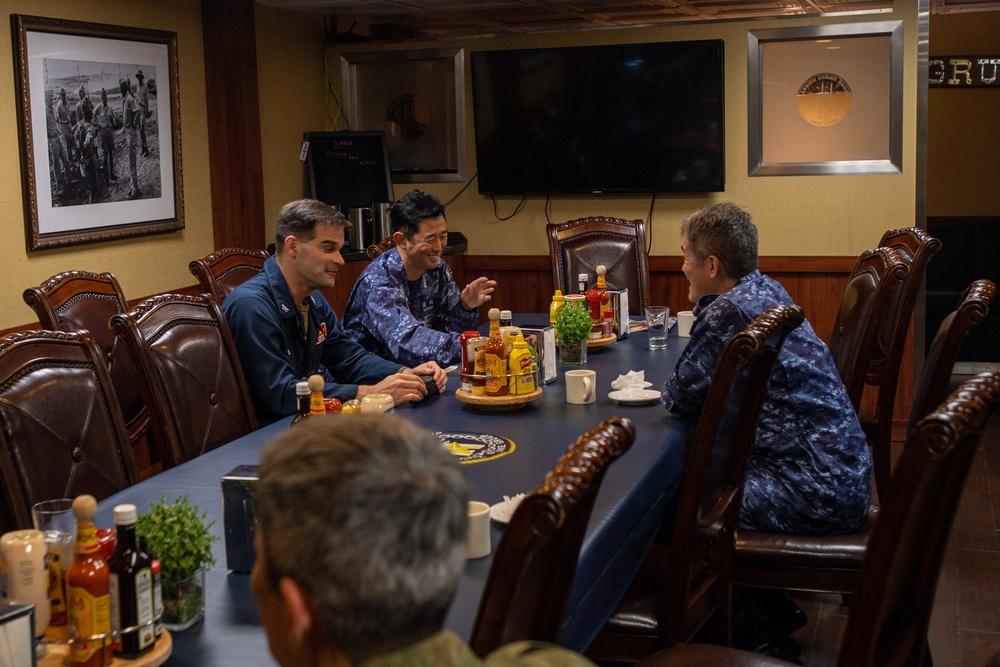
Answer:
(824, 99)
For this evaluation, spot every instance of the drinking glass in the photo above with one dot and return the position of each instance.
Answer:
(656, 325)
(56, 520)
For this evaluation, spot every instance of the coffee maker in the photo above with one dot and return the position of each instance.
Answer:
(369, 225)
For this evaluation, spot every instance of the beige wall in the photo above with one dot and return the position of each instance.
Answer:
(963, 135)
(813, 215)
(290, 61)
(292, 101)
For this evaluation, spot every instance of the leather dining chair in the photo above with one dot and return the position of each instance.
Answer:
(83, 300)
(222, 271)
(579, 246)
(189, 373)
(61, 430)
(894, 598)
(916, 248)
(532, 572)
(831, 563)
(683, 589)
(877, 275)
(377, 249)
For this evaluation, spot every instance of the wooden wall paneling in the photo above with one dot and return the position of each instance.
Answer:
(235, 156)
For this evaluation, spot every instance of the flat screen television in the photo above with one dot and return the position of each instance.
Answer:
(639, 118)
(348, 169)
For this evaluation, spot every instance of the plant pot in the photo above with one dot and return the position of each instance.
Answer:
(183, 602)
(574, 354)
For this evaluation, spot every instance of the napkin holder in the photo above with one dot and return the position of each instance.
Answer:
(17, 623)
(238, 518)
(619, 306)
(548, 358)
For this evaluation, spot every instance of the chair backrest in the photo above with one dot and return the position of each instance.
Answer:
(702, 547)
(534, 564)
(61, 431)
(579, 246)
(916, 248)
(224, 270)
(377, 249)
(935, 379)
(189, 373)
(83, 300)
(892, 605)
(876, 275)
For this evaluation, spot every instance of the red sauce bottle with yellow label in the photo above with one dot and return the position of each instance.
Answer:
(88, 592)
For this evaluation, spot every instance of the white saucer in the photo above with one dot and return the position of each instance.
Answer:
(504, 510)
(635, 396)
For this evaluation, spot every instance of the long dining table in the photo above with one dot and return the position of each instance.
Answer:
(627, 513)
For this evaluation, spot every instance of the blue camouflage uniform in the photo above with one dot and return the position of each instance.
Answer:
(276, 353)
(809, 471)
(408, 322)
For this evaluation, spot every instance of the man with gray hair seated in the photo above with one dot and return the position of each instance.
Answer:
(360, 539)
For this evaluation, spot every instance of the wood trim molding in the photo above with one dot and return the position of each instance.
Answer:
(234, 145)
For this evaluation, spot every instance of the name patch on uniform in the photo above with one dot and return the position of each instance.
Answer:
(322, 333)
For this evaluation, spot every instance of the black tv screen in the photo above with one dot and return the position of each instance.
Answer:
(621, 118)
(348, 169)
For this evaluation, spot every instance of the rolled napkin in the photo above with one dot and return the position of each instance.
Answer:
(631, 380)
(504, 510)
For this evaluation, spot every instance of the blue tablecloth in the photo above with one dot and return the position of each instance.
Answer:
(626, 514)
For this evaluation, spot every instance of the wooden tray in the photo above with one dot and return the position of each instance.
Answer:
(58, 655)
(593, 343)
(497, 403)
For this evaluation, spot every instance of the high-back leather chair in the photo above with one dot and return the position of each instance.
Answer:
(376, 249)
(532, 572)
(887, 624)
(61, 431)
(83, 300)
(831, 563)
(871, 287)
(189, 373)
(222, 271)
(916, 248)
(579, 246)
(685, 588)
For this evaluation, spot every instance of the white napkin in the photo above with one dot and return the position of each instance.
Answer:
(631, 380)
(504, 510)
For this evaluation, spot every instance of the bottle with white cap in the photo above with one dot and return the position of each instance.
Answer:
(131, 588)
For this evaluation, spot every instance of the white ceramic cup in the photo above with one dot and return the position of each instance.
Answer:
(657, 318)
(478, 544)
(581, 386)
(685, 320)
(26, 576)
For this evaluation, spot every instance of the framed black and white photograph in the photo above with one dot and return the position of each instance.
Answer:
(99, 120)
(825, 99)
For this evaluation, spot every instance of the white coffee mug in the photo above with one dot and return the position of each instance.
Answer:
(685, 320)
(478, 544)
(581, 386)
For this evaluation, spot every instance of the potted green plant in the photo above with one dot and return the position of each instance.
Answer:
(573, 326)
(178, 536)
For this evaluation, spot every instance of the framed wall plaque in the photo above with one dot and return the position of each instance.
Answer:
(825, 99)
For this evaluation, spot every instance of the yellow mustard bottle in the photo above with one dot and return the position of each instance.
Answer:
(558, 301)
(520, 362)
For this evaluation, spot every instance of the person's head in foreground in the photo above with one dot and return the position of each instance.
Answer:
(360, 538)
(719, 243)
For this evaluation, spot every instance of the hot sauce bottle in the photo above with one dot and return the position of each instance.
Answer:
(87, 591)
(602, 287)
(316, 406)
(496, 358)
